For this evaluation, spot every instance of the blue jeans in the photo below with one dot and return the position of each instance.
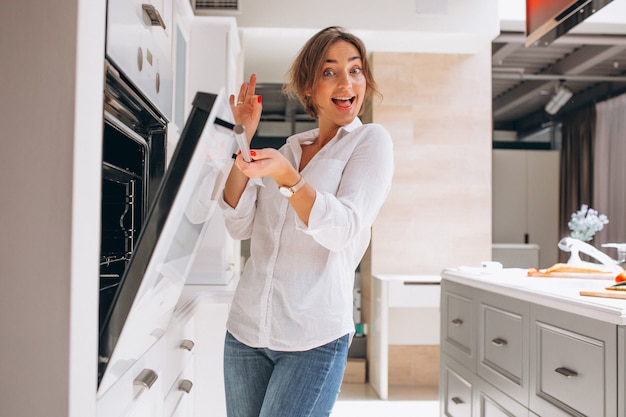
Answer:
(267, 383)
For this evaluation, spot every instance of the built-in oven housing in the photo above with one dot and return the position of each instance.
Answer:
(133, 165)
(154, 216)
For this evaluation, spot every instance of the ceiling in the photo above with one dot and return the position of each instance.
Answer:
(593, 67)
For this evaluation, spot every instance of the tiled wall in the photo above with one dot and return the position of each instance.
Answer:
(437, 108)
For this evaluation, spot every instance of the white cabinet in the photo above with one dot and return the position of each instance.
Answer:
(185, 361)
(526, 200)
(416, 300)
(213, 56)
(158, 384)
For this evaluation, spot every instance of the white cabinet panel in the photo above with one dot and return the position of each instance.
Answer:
(526, 200)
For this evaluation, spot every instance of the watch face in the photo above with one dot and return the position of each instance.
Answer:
(285, 191)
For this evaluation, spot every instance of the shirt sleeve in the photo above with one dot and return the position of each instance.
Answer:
(336, 219)
(238, 220)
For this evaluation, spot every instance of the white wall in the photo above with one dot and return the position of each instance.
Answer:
(273, 31)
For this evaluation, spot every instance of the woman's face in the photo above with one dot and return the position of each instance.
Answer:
(340, 90)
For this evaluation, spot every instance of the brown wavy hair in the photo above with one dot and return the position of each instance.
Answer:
(306, 69)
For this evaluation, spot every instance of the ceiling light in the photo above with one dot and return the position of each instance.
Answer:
(560, 98)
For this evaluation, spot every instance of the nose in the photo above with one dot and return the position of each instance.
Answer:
(344, 80)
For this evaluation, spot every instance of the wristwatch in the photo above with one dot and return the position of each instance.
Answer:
(290, 191)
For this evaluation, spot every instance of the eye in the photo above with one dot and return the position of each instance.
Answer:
(356, 70)
(328, 73)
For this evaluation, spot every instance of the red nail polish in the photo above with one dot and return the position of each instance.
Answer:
(252, 153)
(260, 99)
(239, 152)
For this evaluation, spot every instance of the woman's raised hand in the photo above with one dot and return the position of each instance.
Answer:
(247, 108)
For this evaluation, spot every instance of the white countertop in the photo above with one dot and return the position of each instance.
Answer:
(558, 293)
(415, 279)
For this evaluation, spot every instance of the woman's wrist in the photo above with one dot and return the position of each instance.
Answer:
(289, 179)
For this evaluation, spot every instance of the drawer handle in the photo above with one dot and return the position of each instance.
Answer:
(146, 378)
(456, 400)
(499, 342)
(187, 345)
(567, 373)
(457, 322)
(185, 386)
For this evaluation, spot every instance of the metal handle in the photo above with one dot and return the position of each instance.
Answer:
(499, 342)
(154, 17)
(146, 378)
(185, 386)
(567, 373)
(187, 345)
(457, 322)
(456, 400)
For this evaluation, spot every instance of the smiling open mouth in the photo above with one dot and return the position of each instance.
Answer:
(343, 102)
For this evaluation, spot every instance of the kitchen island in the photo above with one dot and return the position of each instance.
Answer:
(514, 345)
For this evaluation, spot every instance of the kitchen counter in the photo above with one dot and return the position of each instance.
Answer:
(559, 293)
(530, 345)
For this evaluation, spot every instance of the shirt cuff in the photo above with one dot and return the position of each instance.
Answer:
(247, 198)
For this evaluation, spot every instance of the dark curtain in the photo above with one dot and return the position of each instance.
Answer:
(576, 182)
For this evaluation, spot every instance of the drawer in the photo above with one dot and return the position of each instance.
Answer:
(179, 400)
(458, 328)
(503, 344)
(456, 393)
(422, 294)
(139, 390)
(572, 359)
(494, 403)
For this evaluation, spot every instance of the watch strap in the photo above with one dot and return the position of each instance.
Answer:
(298, 185)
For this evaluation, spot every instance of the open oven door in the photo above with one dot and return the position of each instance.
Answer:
(176, 222)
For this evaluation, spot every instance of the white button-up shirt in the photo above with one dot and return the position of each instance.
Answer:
(296, 289)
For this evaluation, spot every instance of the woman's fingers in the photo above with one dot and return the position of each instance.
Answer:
(242, 94)
(246, 92)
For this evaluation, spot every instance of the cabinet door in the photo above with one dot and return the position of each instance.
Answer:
(458, 323)
(179, 401)
(526, 188)
(456, 392)
(503, 344)
(573, 365)
(149, 402)
(494, 403)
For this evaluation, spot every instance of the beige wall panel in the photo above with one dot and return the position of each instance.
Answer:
(414, 365)
(437, 108)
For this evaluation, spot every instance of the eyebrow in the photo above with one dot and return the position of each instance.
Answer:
(334, 61)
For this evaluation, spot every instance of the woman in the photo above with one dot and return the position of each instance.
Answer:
(307, 209)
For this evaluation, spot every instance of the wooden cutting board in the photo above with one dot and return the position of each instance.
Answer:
(605, 294)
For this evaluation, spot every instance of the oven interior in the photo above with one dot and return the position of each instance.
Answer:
(133, 165)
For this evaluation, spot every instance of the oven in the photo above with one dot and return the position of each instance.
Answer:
(133, 165)
(137, 107)
(155, 211)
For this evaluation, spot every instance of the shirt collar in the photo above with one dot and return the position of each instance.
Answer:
(306, 138)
